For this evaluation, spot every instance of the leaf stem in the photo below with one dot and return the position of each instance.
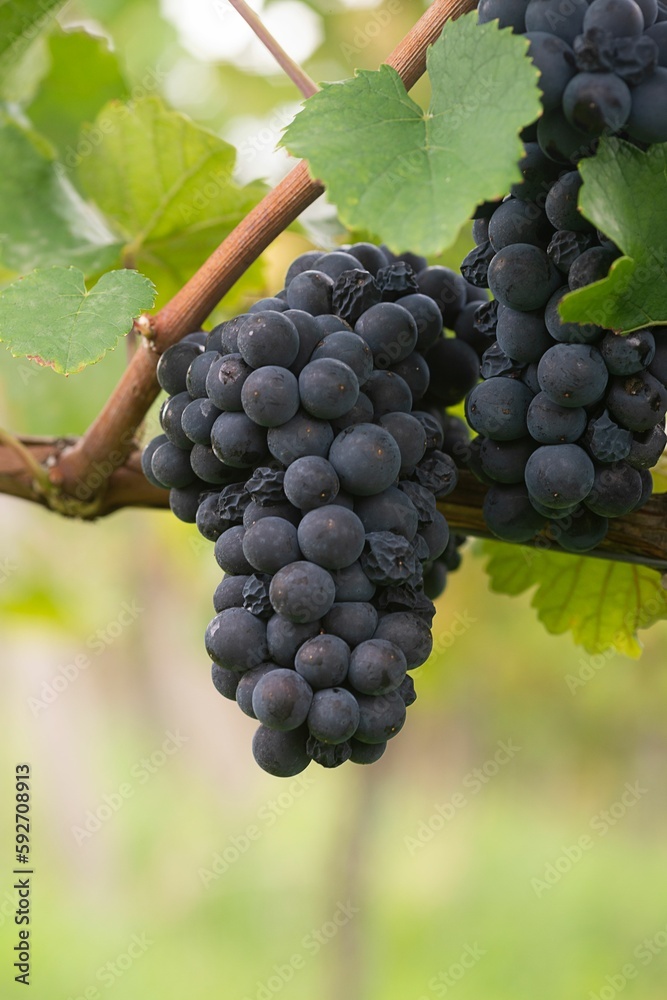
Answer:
(41, 482)
(297, 75)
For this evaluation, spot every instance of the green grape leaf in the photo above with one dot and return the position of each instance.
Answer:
(84, 75)
(412, 177)
(51, 318)
(43, 220)
(602, 603)
(625, 195)
(20, 21)
(167, 184)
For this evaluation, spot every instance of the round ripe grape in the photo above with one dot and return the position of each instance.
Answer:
(281, 699)
(454, 367)
(336, 263)
(197, 373)
(628, 355)
(381, 717)
(510, 13)
(352, 621)
(171, 420)
(147, 458)
(517, 221)
(323, 661)
(284, 638)
(347, 347)
(582, 533)
(522, 277)
(427, 316)
(392, 510)
(281, 754)
(247, 684)
(617, 489)
(523, 336)
(415, 372)
(638, 402)
(302, 435)
(331, 536)
(505, 461)
(309, 337)
(229, 592)
(573, 374)
(328, 388)
(409, 435)
(237, 441)
(551, 423)
(447, 289)
(198, 419)
(369, 256)
(229, 553)
(409, 633)
(311, 291)
(390, 331)
(172, 368)
(498, 408)
(436, 536)
(311, 482)
(366, 459)
(256, 512)
(184, 503)
(562, 201)
(352, 584)
(304, 262)
(270, 396)
(621, 18)
(597, 102)
(559, 475)
(555, 60)
(592, 265)
(268, 338)
(302, 592)
(658, 32)
(366, 753)
(235, 639)
(556, 17)
(333, 716)
(510, 515)
(388, 393)
(648, 118)
(377, 667)
(224, 382)
(208, 467)
(171, 466)
(649, 9)
(225, 681)
(361, 413)
(270, 544)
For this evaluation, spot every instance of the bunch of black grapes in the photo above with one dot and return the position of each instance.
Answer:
(603, 67)
(570, 417)
(306, 440)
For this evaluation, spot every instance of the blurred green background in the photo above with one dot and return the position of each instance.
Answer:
(166, 863)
